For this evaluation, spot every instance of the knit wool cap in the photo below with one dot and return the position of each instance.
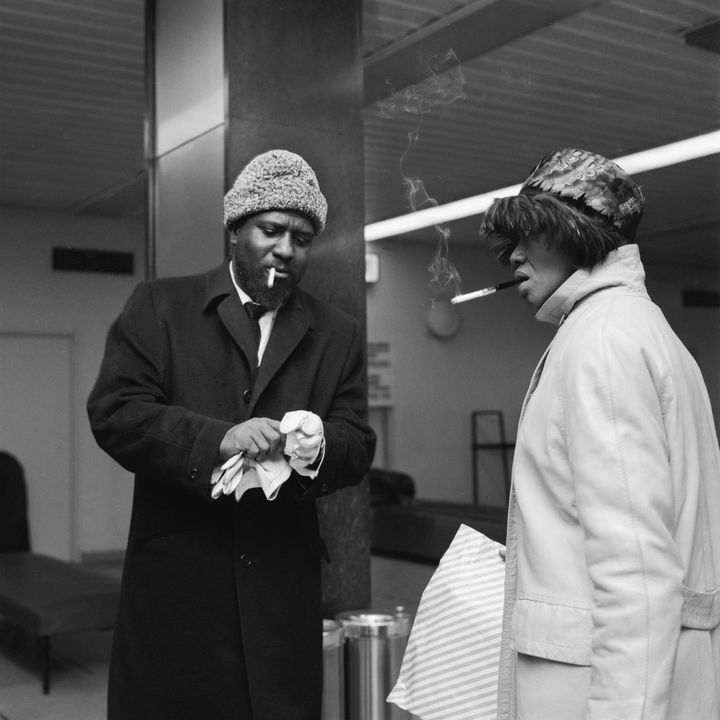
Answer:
(593, 181)
(276, 180)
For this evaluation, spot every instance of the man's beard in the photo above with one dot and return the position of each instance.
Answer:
(254, 283)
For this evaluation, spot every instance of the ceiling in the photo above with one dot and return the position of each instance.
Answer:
(463, 96)
(72, 104)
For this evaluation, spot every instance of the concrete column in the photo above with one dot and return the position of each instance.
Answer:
(293, 73)
(295, 81)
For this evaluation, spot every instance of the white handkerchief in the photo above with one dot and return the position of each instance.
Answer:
(269, 475)
(304, 441)
(450, 667)
(238, 475)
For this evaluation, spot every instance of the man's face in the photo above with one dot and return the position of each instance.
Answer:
(279, 239)
(542, 269)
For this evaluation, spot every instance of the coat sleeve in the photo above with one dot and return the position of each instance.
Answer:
(349, 440)
(614, 398)
(131, 415)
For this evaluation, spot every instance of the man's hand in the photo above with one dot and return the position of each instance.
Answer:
(257, 438)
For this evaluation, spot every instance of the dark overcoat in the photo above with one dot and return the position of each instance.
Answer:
(220, 614)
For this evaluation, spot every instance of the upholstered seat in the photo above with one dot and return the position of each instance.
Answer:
(45, 596)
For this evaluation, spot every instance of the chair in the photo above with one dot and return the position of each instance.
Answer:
(14, 530)
(42, 596)
(389, 487)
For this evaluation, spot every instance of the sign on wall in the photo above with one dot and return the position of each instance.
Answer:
(380, 374)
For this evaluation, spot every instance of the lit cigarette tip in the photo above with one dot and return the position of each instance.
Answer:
(271, 277)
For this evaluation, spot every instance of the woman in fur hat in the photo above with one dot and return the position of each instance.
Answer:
(613, 553)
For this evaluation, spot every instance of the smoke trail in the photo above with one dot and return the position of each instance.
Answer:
(443, 86)
(444, 277)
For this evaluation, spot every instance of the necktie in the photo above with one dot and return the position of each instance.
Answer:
(255, 311)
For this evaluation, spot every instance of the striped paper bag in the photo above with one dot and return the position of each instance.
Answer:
(450, 667)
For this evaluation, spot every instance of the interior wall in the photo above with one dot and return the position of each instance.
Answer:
(34, 299)
(487, 364)
(438, 383)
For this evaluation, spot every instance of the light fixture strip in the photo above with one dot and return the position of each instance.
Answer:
(639, 162)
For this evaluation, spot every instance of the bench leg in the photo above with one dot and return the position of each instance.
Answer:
(46, 663)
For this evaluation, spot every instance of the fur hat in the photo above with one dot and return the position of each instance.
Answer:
(276, 180)
(585, 204)
(593, 181)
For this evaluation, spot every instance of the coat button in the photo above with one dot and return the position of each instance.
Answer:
(247, 395)
(194, 473)
(323, 488)
(245, 560)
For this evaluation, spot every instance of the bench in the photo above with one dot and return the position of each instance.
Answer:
(422, 530)
(44, 596)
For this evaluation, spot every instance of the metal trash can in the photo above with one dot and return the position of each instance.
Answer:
(374, 647)
(333, 696)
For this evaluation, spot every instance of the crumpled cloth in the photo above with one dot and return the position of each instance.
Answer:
(450, 667)
(304, 445)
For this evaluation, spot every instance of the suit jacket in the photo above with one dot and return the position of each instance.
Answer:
(220, 614)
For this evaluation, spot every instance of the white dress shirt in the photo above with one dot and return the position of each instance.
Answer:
(266, 322)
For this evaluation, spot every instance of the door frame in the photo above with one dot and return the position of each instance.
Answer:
(72, 403)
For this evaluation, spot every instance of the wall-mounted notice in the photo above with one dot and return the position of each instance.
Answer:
(380, 374)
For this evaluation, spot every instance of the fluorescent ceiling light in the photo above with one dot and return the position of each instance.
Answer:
(436, 215)
(639, 162)
(671, 154)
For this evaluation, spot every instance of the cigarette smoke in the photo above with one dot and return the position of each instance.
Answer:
(443, 85)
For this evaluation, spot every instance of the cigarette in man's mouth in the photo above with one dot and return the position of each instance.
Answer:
(271, 277)
(485, 291)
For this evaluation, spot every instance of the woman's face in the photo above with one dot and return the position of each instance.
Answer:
(542, 269)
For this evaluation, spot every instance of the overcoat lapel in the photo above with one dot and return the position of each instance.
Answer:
(293, 321)
(236, 321)
(220, 290)
(291, 324)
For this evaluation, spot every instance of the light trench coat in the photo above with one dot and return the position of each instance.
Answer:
(613, 550)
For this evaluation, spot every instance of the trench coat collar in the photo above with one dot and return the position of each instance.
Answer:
(621, 268)
(294, 319)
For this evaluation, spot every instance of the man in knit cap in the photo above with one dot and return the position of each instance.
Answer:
(234, 420)
(612, 594)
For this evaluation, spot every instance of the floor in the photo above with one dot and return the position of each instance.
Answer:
(80, 660)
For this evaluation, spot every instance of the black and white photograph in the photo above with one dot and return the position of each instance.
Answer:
(359, 359)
